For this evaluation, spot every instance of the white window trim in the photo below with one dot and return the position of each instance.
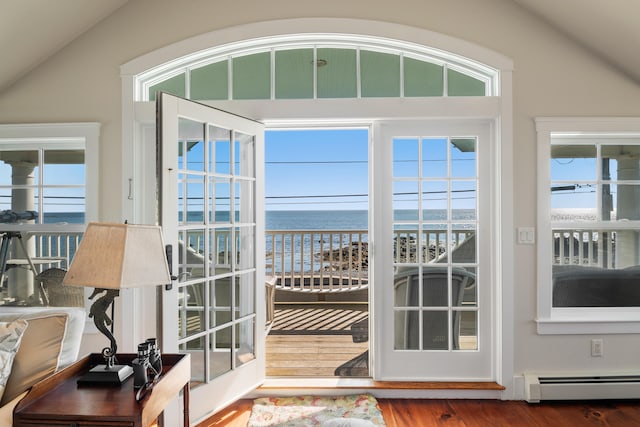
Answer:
(86, 135)
(357, 43)
(67, 135)
(573, 320)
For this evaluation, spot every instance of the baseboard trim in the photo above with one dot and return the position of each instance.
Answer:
(368, 383)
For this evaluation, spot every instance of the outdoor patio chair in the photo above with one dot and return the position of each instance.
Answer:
(434, 294)
(57, 294)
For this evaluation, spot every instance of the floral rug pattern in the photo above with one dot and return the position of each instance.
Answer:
(314, 410)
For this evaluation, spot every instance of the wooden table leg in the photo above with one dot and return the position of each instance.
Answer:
(185, 402)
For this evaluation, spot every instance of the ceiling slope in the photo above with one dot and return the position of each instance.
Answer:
(609, 29)
(33, 30)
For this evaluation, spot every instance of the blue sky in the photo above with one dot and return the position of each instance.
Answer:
(58, 196)
(319, 162)
(318, 169)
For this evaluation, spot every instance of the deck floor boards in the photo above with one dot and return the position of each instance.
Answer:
(313, 340)
(310, 355)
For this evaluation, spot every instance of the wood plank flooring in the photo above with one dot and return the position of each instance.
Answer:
(476, 413)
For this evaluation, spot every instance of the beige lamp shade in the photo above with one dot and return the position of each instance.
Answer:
(115, 256)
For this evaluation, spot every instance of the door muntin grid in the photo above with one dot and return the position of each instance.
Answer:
(435, 223)
(217, 263)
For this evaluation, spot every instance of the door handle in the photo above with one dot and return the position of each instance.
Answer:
(168, 250)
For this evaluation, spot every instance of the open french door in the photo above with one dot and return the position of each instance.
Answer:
(210, 164)
(433, 282)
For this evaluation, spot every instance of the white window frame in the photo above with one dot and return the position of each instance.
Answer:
(574, 320)
(72, 134)
(227, 52)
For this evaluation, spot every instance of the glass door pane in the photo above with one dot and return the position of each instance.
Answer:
(431, 284)
(210, 216)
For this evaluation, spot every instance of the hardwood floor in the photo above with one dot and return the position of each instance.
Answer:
(476, 413)
(309, 342)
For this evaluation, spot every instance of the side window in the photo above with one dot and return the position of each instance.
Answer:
(43, 184)
(589, 196)
(47, 194)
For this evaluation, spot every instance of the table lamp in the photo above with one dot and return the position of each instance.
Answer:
(111, 257)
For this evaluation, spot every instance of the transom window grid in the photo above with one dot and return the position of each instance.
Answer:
(435, 259)
(331, 67)
(216, 309)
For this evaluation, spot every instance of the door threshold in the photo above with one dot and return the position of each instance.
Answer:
(369, 383)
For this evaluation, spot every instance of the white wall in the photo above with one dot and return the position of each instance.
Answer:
(552, 77)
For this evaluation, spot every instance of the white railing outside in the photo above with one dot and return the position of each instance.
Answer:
(318, 260)
(406, 249)
(311, 260)
(585, 247)
(56, 245)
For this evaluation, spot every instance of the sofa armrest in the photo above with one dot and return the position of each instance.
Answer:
(6, 411)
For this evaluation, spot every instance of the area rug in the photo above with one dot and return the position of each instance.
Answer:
(338, 411)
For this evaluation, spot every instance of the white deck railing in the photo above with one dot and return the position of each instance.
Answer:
(318, 260)
(305, 260)
(585, 247)
(338, 260)
(406, 248)
(56, 246)
(350, 248)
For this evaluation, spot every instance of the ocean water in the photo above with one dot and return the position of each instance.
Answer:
(64, 217)
(302, 219)
(316, 220)
(356, 219)
(343, 219)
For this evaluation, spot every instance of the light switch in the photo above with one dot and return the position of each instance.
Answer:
(526, 235)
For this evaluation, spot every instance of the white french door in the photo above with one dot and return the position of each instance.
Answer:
(211, 166)
(216, 308)
(433, 285)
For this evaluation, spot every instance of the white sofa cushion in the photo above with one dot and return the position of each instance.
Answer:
(76, 318)
(51, 342)
(11, 334)
(38, 355)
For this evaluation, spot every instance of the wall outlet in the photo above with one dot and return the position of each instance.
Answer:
(596, 347)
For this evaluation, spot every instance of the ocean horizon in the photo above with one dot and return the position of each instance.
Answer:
(304, 219)
(338, 219)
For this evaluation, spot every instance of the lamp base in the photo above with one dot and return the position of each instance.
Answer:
(104, 375)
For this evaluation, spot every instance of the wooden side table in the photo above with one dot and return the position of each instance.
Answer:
(58, 401)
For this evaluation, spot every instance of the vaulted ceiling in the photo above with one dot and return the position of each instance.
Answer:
(608, 29)
(33, 30)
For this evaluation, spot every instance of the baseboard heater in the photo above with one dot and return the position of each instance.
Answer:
(574, 387)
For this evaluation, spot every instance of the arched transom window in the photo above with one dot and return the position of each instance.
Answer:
(318, 67)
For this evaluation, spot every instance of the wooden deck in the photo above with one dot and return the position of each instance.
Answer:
(308, 340)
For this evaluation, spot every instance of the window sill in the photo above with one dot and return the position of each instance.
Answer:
(627, 322)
